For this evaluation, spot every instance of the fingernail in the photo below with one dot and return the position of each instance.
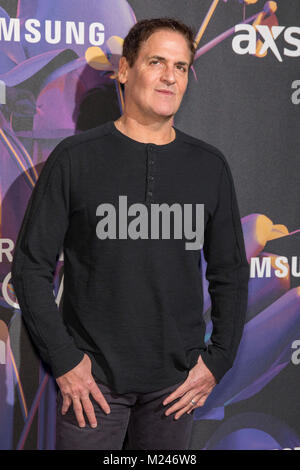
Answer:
(94, 425)
(107, 412)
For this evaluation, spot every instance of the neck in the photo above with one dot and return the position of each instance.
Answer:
(156, 132)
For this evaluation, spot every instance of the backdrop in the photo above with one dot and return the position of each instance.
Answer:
(58, 61)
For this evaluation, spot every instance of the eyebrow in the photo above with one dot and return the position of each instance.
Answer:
(163, 58)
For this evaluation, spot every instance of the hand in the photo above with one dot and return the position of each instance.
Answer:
(197, 386)
(75, 386)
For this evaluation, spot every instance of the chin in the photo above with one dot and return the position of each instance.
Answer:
(165, 112)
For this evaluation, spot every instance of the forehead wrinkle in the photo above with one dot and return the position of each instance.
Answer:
(152, 43)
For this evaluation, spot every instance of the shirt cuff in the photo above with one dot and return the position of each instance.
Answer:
(65, 359)
(215, 361)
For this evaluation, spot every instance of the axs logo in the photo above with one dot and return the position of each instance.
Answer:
(246, 43)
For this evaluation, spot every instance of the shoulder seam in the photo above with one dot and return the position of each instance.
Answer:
(68, 144)
(205, 145)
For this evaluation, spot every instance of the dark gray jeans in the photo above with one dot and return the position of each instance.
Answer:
(136, 421)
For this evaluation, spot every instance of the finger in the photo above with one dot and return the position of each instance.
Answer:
(194, 395)
(199, 403)
(99, 397)
(184, 402)
(192, 407)
(78, 411)
(89, 410)
(183, 388)
(66, 404)
(186, 409)
(199, 399)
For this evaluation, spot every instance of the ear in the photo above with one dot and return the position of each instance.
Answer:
(123, 70)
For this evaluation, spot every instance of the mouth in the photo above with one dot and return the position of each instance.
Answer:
(165, 92)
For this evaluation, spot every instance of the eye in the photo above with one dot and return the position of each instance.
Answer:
(182, 68)
(154, 61)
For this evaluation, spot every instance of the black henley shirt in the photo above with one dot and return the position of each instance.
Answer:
(133, 304)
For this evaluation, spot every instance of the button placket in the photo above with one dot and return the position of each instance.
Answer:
(150, 174)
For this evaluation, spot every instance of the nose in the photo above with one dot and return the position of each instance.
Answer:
(168, 75)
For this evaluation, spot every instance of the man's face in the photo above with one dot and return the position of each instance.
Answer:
(161, 66)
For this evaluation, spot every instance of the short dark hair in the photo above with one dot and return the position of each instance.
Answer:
(143, 29)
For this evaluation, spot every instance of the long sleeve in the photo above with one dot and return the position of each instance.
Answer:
(228, 275)
(37, 249)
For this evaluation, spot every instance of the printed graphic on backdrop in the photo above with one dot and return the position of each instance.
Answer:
(58, 68)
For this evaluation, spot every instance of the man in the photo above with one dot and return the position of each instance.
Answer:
(131, 337)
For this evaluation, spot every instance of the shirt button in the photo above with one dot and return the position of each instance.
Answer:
(151, 178)
(150, 193)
